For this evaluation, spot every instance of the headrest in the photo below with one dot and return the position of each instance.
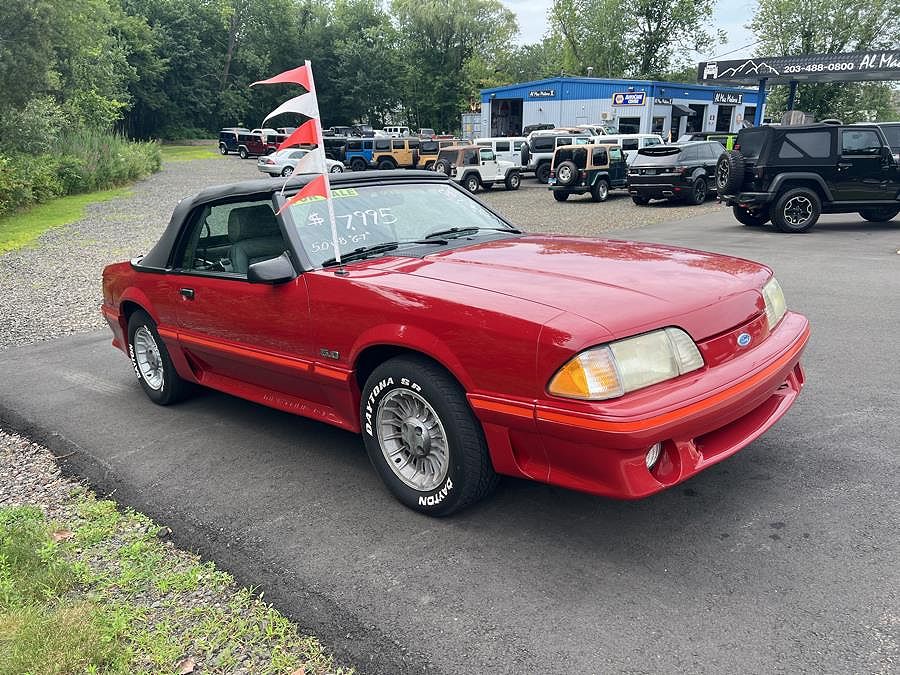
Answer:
(252, 222)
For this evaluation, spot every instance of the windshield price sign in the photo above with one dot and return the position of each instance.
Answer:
(629, 98)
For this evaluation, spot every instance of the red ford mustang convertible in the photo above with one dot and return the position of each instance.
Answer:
(459, 347)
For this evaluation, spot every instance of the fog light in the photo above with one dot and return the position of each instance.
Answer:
(653, 456)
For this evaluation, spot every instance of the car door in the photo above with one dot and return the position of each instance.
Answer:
(862, 174)
(489, 167)
(617, 167)
(503, 150)
(239, 335)
(400, 152)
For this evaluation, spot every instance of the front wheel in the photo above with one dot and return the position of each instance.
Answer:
(880, 215)
(640, 201)
(513, 180)
(386, 165)
(358, 164)
(151, 361)
(542, 173)
(560, 196)
(422, 437)
(337, 168)
(796, 210)
(242, 153)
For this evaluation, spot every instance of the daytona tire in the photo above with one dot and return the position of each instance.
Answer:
(422, 437)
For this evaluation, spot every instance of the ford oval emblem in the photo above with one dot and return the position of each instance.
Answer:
(744, 339)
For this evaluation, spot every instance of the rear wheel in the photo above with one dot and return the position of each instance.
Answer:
(287, 171)
(386, 165)
(442, 166)
(748, 217)
(422, 437)
(513, 180)
(698, 192)
(600, 191)
(542, 173)
(880, 215)
(337, 168)
(796, 210)
(640, 201)
(242, 152)
(151, 361)
(358, 164)
(471, 183)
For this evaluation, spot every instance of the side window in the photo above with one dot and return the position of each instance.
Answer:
(487, 155)
(502, 146)
(689, 154)
(297, 154)
(398, 145)
(651, 141)
(563, 140)
(354, 146)
(367, 145)
(470, 158)
(615, 154)
(228, 238)
(860, 142)
(413, 143)
(483, 144)
(807, 145)
(383, 144)
(629, 144)
(517, 145)
(542, 144)
(599, 157)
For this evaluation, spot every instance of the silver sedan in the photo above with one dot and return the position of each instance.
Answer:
(283, 162)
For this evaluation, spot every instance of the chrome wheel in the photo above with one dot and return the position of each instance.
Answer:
(337, 169)
(564, 174)
(287, 171)
(147, 358)
(798, 210)
(602, 190)
(412, 440)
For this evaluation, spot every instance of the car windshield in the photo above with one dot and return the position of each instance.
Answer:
(367, 216)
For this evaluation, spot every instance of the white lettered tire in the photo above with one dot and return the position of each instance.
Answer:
(423, 438)
(151, 362)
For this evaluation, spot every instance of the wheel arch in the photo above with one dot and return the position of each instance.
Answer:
(367, 358)
(789, 181)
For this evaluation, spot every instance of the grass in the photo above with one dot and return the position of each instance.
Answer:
(186, 153)
(20, 229)
(102, 593)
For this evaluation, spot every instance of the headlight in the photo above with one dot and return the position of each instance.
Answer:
(775, 304)
(622, 366)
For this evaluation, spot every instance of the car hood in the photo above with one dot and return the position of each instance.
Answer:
(627, 287)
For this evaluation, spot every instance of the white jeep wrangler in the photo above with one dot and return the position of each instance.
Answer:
(476, 167)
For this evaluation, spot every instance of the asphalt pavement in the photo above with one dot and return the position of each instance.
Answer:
(781, 559)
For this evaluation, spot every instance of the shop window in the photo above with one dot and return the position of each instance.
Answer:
(695, 121)
(750, 114)
(629, 125)
(723, 118)
(657, 126)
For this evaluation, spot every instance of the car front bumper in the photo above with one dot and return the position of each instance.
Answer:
(601, 447)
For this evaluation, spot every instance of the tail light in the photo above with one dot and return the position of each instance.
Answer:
(737, 146)
(584, 174)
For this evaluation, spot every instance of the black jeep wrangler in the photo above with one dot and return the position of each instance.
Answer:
(792, 174)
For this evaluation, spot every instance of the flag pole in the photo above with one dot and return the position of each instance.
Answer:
(320, 142)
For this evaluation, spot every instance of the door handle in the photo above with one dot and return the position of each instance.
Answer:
(844, 165)
(187, 293)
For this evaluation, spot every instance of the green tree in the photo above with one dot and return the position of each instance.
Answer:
(639, 38)
(819, 27)
(439, 37)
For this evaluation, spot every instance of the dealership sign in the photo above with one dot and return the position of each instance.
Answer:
(846, 67)
(728, 98)
(662, 101)
(629, 98)
(542, 93)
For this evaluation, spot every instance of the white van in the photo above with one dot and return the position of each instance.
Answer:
(397, 132)
(630, 143)
(507, 148)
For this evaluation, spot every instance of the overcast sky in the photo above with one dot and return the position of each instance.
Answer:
(730, 15)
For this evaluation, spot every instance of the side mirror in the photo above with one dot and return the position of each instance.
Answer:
(272, 271)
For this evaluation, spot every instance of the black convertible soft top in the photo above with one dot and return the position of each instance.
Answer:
(158, 257)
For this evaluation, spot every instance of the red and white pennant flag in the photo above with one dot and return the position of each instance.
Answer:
(308, 133)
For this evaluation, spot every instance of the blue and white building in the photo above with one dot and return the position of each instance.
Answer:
(630, 106)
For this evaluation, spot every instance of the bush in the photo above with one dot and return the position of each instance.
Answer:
(83, 161)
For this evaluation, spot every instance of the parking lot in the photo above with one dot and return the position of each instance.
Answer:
(780, 559)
